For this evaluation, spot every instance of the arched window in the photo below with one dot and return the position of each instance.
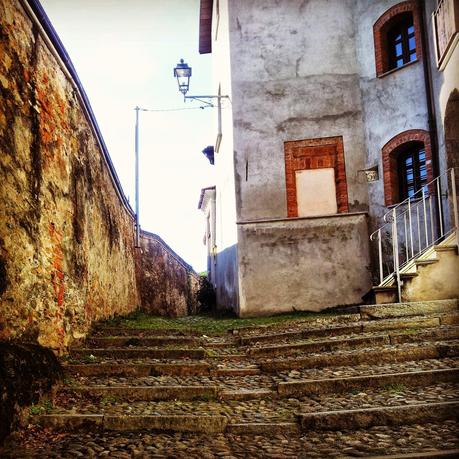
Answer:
(412, 170)
(397, 37)
(407, 165)
(401, 41)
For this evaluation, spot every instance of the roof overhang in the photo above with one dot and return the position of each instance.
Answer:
(205, 26)
(204, 197)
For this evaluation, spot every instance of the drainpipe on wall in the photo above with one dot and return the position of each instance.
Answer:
(432, 120)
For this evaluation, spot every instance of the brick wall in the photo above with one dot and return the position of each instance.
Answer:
(380, 29)
(315, 154)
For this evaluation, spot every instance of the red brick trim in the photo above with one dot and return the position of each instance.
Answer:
(380, 29)
(315, 154)
(390, 152)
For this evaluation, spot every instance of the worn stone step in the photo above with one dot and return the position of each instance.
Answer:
(273, 428)
(259, 409)
(391, 310)
(387, 354)
(182, 423)
(354, 328)
(247, 394)
(146, 341)
(325, 319)
(438, 334)
(432, 454)
(369, 417)
(320, 346)
(139, 370)
(349, 342)
(346, 384)
(131, 331)
(129, 353)
(126, 392)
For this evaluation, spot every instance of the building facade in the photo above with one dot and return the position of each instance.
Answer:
(339, 110)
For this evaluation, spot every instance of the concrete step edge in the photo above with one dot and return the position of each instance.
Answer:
(379, 416)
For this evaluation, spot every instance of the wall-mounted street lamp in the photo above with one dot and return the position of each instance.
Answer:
(183, 73)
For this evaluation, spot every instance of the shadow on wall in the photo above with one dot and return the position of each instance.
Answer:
(167, 284)
(226, 280)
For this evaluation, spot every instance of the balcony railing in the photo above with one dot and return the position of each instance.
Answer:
(415, 225)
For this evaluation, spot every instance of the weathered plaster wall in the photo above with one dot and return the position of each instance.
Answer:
(167, 285)
(392, 104)
(314, 263)
(66, 240)
(295, 76)
(226, 272)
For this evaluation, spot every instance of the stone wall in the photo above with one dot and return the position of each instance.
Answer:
(66, 235)
(167, 285)
(314, 263)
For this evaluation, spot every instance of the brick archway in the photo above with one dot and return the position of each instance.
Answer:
(389, 156)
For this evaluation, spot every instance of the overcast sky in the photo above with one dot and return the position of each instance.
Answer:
(124, 52)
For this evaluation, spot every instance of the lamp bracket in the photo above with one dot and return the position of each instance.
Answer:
(201, 99)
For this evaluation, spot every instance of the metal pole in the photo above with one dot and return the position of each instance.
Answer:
(137, 223)
(456, 218)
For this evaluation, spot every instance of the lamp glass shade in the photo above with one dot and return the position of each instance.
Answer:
(183, 73)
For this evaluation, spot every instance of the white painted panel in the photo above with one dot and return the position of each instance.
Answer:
(316, 192)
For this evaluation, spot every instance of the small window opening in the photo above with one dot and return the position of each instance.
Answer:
(412, 171)
(401, 42)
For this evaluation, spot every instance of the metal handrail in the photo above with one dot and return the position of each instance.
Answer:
(423, 225)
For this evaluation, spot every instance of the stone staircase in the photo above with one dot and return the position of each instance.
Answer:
(433, 275)
(380, 382)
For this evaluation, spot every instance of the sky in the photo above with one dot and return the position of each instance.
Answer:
(124, 53)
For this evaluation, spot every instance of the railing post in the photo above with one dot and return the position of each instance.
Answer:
(440, 213)
(395, 249)
(411, 228)
(425, 217)
(381, 274)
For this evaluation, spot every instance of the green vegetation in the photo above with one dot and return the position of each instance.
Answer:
(207, 323)
(394, 388)
(108, 399)
(44, 407)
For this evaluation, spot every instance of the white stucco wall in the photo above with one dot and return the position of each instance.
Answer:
(392, 104)
(295, 76)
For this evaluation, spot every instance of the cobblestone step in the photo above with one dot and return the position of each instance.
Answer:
(150, 393)
(182, 423)
(351, 329)
(340, 385)
(403, 405)
(369, 417)
(128, 353)
(386, 354)
(428, 440)
(350, 342)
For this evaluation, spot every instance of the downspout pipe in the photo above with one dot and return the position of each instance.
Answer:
(431, 112)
